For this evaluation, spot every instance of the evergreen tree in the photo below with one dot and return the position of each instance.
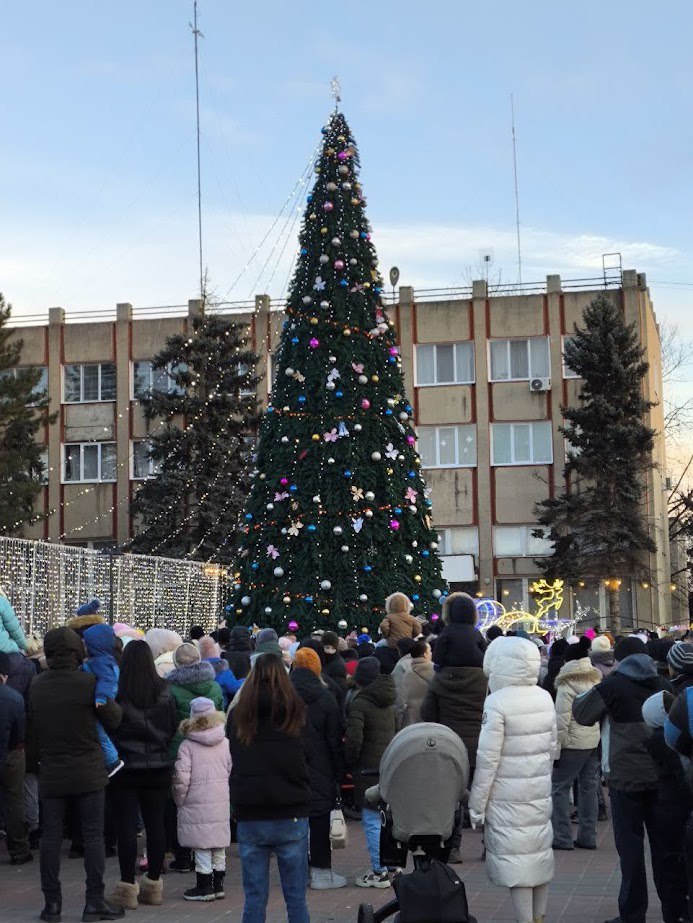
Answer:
(200, 448)
(23, 413)
(338, 517)
(597, 524)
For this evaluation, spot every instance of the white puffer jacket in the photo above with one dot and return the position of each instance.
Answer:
(574, 678)
(512, 781)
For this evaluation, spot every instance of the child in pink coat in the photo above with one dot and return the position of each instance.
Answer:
(201, 793)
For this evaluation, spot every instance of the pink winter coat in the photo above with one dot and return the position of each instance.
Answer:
(201, 783)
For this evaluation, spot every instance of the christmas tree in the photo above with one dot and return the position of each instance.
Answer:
(190, 507)
(598, 523)
(338, 516)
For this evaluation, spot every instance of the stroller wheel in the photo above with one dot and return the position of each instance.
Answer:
(366, 914)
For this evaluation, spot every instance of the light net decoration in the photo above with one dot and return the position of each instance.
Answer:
(46, 583)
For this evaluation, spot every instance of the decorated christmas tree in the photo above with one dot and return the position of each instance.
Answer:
(337, 517)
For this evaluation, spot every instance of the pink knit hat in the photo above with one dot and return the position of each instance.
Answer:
(201, 706)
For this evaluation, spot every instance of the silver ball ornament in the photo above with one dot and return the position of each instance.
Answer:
(437, 594)
(337, 530)
(363, 379)
(357, 427)
(285, 440)
(404, 416)
(331, 187)
(268, 610)
(369, 514)
(412, 509)
(363, 598)
(376, 456)
(345, 548)
(434, 545)
(370, 495)
(325, 585)
(245, 601)
(270, 506)
(330, 461)
(324, 258)
(288, 371)
(278, 571)
(330, 386)
(336, 241)
(354, 234)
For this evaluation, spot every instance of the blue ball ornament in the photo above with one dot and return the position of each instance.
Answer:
(339, 394)
(248, 516)
(388, 412)
(411, 474)
(309, 197)
(408, 408)
(368, 568)
(255, 565)
(309, 599)
(398, 509)
(294, 340)
(363, 235)
(377, 289)
(347, 473)
(301, 399)
(270, 410)
(425, 553)
(293, 488)
(311, 528)
(343, 283)
(415, 596)
(392, 359)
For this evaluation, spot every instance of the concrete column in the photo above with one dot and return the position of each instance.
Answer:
(405, 338)
(122, 420)
(553, 290)
(56, 320)
(483, 438)
(263, 346)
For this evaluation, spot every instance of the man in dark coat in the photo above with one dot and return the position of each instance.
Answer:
(238, 651)
(63, 716)
(12, 765)
(333, 664)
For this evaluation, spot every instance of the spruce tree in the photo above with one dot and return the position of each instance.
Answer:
(199, 444)
(23, 413)
(598, 523)
(338, 516)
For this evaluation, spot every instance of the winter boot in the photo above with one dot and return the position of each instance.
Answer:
(124, 895)
(326, 880)
(151, 892)
(218, 885)
(203, 890)
(95, 911)
(455, 857)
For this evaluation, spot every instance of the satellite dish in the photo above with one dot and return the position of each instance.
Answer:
(394, 276)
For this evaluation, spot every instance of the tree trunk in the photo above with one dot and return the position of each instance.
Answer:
(615, 610)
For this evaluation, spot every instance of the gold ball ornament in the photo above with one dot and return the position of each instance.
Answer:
(417, 578)
(375, 379)
(325, 611)
(323, 230)
(347, 332)
(286, 600)
(315, 437)
(355, 201)
(312, 216)
(389, 471)
(314, 321)
(329, 151)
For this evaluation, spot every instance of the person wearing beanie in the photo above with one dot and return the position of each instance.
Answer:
(324, 732)
(265, 635)
(371, 725)
(196, 632)
(201, 792)
(576, 756)
(238, 651)
(495, 631)
(210, 652)
(680, 663)
(190, 679)
(461, 644)
(334, 662)
(86, 615)
(99, 641)
(602, 655)
(631, 773)
(557, 657)
(399, 622)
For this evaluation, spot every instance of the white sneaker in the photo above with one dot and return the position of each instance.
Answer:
(116, 768)
(326, 880)
(373, 880)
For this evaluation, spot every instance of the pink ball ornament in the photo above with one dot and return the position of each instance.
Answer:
(434, 616)
(284, 482)
(365, 404)
(411, 440)
(342, 155)
(328, 206)
(339, 265)
(314, 343)
(394, 525)
(393, 351)
(293, 625)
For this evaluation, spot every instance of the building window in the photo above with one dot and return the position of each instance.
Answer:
(447, 446)
(143, 466)
(567, 371)
(89, 461)
(84, 384)
(445, 364)
(521, 444)
(243, 371)
(40, 388)
(458, 540)
(512, 592)
(519, 360)
(518, 542)
(146, 379)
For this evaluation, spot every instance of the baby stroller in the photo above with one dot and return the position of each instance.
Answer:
(423, 780)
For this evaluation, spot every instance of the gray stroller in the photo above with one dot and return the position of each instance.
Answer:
(424, 774)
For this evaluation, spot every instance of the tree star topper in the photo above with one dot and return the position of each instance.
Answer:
(336, 91)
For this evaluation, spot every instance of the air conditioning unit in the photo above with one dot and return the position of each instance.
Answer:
(539, 384)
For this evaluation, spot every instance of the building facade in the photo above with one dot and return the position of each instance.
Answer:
(487, 379)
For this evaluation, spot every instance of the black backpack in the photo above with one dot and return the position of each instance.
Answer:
(433, 893)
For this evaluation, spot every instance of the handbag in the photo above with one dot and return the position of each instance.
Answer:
(339, 835)
(433, 893)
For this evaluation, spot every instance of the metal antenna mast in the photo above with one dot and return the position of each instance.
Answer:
(517, 194)
(197, 34)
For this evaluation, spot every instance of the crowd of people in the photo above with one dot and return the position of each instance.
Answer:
(106, 731)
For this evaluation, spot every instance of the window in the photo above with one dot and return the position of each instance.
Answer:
(458, 540)
(445, 364)
(243, 370)
(40, 388)
(146, 379)
(521, 444)
(567, 371)
(447, 446)
(142, 465)
(84, 384)
(512, 593)
(519, 360)
(89, 461)
(518, 542)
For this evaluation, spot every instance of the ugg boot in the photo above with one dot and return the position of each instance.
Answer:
(203, 890)
(218, 885)
(326, 880)
(151, 892)
(124, 895)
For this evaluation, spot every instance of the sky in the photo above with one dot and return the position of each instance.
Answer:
(98, 171)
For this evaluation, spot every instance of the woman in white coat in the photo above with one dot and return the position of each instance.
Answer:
(511, 793)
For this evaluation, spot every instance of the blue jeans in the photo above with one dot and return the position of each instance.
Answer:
(288, 840)
(371, 827)
(582, 765)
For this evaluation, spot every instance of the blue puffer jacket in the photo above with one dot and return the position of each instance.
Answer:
(224, 676)
(12, 638)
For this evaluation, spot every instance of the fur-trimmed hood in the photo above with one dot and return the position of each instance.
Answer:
(578, 673)
(80, 623)
(191, 675)
(208, 729)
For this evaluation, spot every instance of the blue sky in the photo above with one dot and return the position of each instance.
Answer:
(97, 161)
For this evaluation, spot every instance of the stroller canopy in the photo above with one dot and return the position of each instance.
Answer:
(424, 774)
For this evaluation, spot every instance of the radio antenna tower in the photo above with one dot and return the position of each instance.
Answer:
(517, 194)
(197, 35)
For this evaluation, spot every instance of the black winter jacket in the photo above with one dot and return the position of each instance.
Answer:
(335, 668)
(12, 721)
(22, 671)
(144, 736)
(456, 699)
(371, 725)
(325, 731)
(619, 698)
(459, 645)
(269, 779)
(238, 652)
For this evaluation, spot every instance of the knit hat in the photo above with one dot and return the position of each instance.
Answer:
(459, 609)
(208, 647)
(186, 655)
(266, 634)
(91, 607)
(363, 639)
(351, 666)
(367, 671)
(578, 650)
(307, 659)
(628, 646)
(330, 640)
(270, 647)
(601, 644)
(4, 664)
(201, 706)
(398, 604)
(680, 657)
